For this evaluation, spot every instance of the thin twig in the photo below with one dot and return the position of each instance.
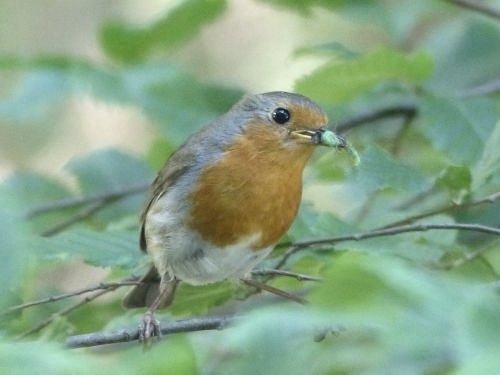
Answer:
(278, 272)
(73, 219)
(101, 286)
(450, 207)
(79, 201)
(299, 246)
(478, 7)
(131, 334)
(467, 257)
(64, 312)
(397, 140)
(271, 289)
(407, 111)
(483, 89)
(401, 229)
(303, 245)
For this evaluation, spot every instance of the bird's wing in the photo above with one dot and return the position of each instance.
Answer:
(178, 164)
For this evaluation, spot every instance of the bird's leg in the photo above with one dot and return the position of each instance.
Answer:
(150, 326)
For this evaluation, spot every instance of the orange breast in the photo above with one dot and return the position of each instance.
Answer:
(255, 188)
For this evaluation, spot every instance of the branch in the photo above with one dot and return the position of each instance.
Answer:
(130, 334)
(278, 272)
(454, 206)
(478, 7)
(467, 257)
(401, 229)
(298, 246)
(75, 202)
(64, 312)
(79, 216)
(483, 89)
(271, 289)
(95, 204)
(133, 281)
(407, 111)
(101, 286)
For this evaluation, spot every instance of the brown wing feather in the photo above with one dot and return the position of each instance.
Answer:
(167, 177)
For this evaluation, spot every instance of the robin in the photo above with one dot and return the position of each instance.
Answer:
(226, 196)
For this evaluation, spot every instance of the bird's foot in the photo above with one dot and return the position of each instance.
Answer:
(149, 328)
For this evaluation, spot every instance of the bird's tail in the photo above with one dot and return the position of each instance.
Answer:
(145, 293)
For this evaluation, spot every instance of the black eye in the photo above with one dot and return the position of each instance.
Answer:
(281, 115)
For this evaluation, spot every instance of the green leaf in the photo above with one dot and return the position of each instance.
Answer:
(199, 299)
(32, 190)
(455, 179)
(28, 357)
(29, 100)
(105, 170)
(175, 356)
(378, 170)
(353, 285)
(102, 249)
(131, 43)
(111, 170)
(50, 79)
(311, 224)
(304, 6)
(13, 247)
(175, 100)
(466, 55)
(395, 318)
(338, 82)
(487, 169)
(180, 104)
(158, 152)
(458, 127)
(327, 49)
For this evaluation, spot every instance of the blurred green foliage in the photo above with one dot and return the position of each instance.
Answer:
(413, 303)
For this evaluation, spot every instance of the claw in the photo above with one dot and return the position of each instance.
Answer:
(149, 328)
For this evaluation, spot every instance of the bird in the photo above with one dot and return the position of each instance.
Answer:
(225, 198)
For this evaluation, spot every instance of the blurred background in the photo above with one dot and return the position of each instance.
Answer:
(250, 46)
(94, 95)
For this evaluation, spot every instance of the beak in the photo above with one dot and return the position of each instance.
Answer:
(320, 136)
(328, 138)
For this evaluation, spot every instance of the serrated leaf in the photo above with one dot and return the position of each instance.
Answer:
(128, 43)
(378, 170)
(101, 249)
(338, 82)
(458, 127)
